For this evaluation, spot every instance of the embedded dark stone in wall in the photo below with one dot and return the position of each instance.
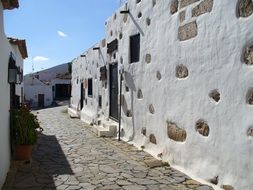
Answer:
(181, 71)
(249, 97)
(158, 75)
(202, 127)
(153, 2)
(121, 60)
(245, 8)
(214, 180)
(148, 58)
(250, 132)
(111, 33)
(120, 36)
(139, 94)
(182, 16)
(152, 138)
(204, 7)
(215, 95)
(127, 89)
(248, 55)
(148, 21)
(138, 1)
(129, 113)
(174, 6)
(115, 16)
(227, 187)
(151, 109)
(175, 133)
(139, 15)
(144, 131)
(184, 3)
(188, 31)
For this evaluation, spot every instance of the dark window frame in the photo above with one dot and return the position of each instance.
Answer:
(100, 101)
(90, 87)
(134, 48)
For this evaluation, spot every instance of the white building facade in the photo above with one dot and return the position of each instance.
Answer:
(12, 53)
(187, 84)
(43, 87)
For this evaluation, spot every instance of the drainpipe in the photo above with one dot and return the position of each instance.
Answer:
(121, 71)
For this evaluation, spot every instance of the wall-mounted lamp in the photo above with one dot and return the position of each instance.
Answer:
(96, 48)
(19, 75)
(12, 70)
(12, 75)
(124, 12)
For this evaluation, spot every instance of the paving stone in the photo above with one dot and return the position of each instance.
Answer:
(191, 182)
(135, 187)
(70, 156)
(87, 186)
(152, 163)
(143, 181)
(110, 187)
(123, 182)
(179, 179)
(203, 188)
(73, 187)
(61, 187)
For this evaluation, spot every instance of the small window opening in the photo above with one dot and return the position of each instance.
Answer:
(134, 48)
(90, 87)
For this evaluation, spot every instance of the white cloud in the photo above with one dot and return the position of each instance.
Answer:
(40, 58)
(62, 34)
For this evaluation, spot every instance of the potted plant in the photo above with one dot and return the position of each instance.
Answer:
(25, 129)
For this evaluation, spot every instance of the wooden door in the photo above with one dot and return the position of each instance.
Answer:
(114, 91)
(41, 100)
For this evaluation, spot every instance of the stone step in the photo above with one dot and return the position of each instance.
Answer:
(106, 129)
(73, 113)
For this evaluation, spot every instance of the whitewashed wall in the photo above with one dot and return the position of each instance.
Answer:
(210, 42)
(47, 79)
(33, 87)
(5, 50)
(75, 84)
(89, 67)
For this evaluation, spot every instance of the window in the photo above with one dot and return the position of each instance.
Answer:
(100, 101)
(134, 48)
(90, 87)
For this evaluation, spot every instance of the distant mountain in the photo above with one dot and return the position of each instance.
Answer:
(51, 73)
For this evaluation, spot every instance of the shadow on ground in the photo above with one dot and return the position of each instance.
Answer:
(48, 164)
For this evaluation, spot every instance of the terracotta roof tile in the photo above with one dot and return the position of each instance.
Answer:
(10, 4)
(21, 46)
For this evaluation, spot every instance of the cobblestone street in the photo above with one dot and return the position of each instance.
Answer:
(69, 156)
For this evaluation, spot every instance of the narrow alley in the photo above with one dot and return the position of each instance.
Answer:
(69, 156)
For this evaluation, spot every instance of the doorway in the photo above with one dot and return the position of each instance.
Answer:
(41, 101)
(82, 90)
(113, 91)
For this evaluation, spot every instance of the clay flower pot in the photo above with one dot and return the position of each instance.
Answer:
(24, 152)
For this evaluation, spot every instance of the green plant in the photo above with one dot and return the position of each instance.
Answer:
(25, 126)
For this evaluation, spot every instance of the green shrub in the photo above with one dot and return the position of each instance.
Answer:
(25, 126)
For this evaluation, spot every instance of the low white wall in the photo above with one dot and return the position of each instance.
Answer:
(209, 39)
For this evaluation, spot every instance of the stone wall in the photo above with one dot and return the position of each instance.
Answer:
(189, 97)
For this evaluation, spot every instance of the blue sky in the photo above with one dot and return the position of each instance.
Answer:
(56, 31)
